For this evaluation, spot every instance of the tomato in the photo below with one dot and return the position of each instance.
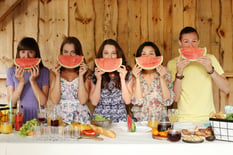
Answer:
(88, 132)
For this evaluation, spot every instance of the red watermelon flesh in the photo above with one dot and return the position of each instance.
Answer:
(67, 61)
(192, 53)
(131, 124)
(149, 62)
(26, 63)
(108, 64)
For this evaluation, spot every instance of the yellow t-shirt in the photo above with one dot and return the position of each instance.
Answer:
(196, 99)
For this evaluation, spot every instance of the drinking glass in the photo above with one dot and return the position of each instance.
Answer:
(172, 116)
(42, 116)
(174, 135)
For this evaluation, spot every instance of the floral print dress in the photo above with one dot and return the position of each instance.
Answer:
(69, 107)
(111, 104)
(152, 104)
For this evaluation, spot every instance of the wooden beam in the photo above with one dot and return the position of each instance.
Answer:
(6, 7)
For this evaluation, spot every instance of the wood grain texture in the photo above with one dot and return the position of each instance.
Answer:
(53, 26)
(130, 22)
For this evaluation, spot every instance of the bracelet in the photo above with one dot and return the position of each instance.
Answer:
(212, 71)
(179, 77)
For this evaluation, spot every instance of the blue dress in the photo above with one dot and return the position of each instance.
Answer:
(111, 104)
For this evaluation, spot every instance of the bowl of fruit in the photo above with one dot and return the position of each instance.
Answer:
(101, 121)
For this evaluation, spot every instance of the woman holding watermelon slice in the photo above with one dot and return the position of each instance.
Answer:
(153, 88)
(28, 84)
(111, 91)
(193, 79)
(69, 87)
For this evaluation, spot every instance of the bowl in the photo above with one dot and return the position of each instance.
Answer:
(104, 123)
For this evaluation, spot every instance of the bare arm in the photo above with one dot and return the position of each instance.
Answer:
(96, 88)
(126, 89)
(164, 86)
(41, 93)
(55, 85)
(180, 65)
(137, 92)
(84, 87)
(219, 80)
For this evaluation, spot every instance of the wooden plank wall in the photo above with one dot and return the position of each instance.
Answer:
(130, 22)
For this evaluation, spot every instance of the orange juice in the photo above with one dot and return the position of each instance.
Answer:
(6, 127)
(153, 123)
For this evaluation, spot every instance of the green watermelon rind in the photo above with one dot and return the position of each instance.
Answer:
(69, 67)
(25, 59)
(205, 49)
(131, 124)
(152, 67)
(109, 70)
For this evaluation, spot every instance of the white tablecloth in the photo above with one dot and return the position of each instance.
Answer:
(140, 142)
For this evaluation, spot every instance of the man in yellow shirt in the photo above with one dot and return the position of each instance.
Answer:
(193, 80)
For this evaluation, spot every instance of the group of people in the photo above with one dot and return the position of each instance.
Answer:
(188, 83)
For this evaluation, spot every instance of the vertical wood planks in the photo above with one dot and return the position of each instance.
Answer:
(25, 21)
(134, 23)
(53, 26)
(167, 31)
(177, 24)
(123, 31)
(81, 25)
(189, 12)
(225, 33)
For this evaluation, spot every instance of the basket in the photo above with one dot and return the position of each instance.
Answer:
(223, 129)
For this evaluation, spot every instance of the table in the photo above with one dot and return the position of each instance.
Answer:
(140, 142)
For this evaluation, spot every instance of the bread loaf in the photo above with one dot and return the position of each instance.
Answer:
(103, 131)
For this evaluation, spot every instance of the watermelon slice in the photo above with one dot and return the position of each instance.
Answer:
(148, 62)
(67, 61)
(26, 63)
(108, 64)
(131, 124)
(192, 53)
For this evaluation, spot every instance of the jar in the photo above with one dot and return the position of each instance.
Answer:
(6, 127)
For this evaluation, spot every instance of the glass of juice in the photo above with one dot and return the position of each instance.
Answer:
(18, 121)
(174, 135)
(42, 116)
(6, 127)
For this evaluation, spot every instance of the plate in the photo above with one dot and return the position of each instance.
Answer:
(193, 139)
(187, 141)
(159, 137)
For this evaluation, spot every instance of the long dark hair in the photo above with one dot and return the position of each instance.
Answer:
(28, 43)
(148, 43)
(120, 54)
(78, 50)
(77, 47)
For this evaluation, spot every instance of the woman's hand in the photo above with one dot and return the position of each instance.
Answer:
(56, 69)
(35, 72)
(181, 64)
(162, 71)
(98, 73)
(136, 71)
(19, 74)
(122, 70)
(206, 62)
(83, 69)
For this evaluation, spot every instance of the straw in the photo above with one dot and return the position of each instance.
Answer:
(39, 103)
(19, 105)
(11, 107)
